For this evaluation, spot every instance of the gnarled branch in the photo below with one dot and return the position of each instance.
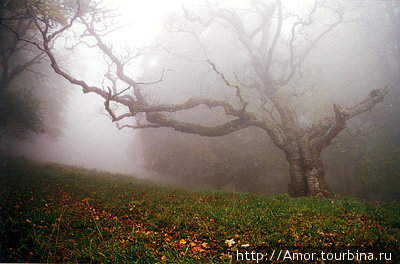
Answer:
(329, 128)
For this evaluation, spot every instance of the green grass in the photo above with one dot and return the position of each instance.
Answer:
(56, 213)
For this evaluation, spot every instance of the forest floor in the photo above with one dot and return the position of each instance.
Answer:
(56, 213)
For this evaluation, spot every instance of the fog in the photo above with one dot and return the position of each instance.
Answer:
(89, 140)
(343, 67)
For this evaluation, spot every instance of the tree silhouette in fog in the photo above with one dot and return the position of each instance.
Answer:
(276, 44)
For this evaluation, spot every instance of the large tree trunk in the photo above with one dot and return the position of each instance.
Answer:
(307, 176)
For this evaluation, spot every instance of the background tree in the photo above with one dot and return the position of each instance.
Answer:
(276, 43)
(32, 97)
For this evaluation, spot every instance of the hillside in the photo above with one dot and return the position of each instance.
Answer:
(56, 213)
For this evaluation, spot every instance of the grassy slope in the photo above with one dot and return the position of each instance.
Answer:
(55, 213)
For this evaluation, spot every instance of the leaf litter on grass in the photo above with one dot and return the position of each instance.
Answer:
(76, 215)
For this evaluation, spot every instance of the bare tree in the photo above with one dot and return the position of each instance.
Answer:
(301, 144)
